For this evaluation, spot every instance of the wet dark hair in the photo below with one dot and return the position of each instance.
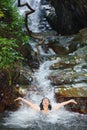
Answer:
(41, 105)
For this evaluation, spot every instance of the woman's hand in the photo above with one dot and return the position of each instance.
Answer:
(19, 98)
(29, 103)
(64, 103)
(73, 101)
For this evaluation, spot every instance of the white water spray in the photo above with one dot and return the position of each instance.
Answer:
(25, 116)
(34, 18)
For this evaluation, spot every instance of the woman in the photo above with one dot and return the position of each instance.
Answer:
(45, 105)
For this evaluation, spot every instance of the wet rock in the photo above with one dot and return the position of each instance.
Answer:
(7, 93)
(70, 69)
(23, 80)
(64, 45)
(7, 96)
(62, 65)
(66, 76)
(58, 49)
(67, 17)
(54, 43)
(79, 94)
(30, 57)
(25, 75)
(83, 32)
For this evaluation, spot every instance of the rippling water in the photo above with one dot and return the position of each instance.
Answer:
(62, 121)
(27, 119)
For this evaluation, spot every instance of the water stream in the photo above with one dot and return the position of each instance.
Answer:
(27, 119)
(37, 20)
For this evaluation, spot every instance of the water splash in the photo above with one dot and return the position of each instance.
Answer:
(25, 117)
(34, 19)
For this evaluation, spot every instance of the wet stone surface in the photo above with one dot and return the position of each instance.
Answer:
(79, 94)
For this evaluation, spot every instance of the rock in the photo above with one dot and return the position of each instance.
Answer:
(58, 49)
(69, 16)
(7, 93)
(64, 45)
(83, 32)
(30, 57)
(7, 96)
(62, 65)
(23, 80)
(24, 76)
(79, 94)
(55, 43)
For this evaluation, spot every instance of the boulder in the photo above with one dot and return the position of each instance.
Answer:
(67, 17)
(79, 94)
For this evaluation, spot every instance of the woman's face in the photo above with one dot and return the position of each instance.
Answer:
(45, 102)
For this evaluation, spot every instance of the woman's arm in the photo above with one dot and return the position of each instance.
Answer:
(30, 104)
(64, 103)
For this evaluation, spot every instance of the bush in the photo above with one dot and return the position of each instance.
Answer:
(12, 36)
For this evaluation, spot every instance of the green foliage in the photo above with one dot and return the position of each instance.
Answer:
(8, 53)
(12, 36)
(12, 24)
(9, 56)
(1, 14)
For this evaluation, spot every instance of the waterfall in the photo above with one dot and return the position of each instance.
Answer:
(26, 117)
(36, 21)
(34, 18)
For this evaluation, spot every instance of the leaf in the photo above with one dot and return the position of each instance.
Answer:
(1, 14)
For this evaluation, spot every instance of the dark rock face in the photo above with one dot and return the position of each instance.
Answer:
(30, 57)
(68, 17)
(7, 93)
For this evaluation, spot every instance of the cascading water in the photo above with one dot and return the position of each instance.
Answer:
(25, 117)
(44, 88)
(37, 20)
(34, 18)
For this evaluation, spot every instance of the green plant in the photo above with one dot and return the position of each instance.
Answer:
(12, 36)
(1, 14)
(9, 56)
(12, 23)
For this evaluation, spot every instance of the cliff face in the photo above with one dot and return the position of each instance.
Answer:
(68, 16)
